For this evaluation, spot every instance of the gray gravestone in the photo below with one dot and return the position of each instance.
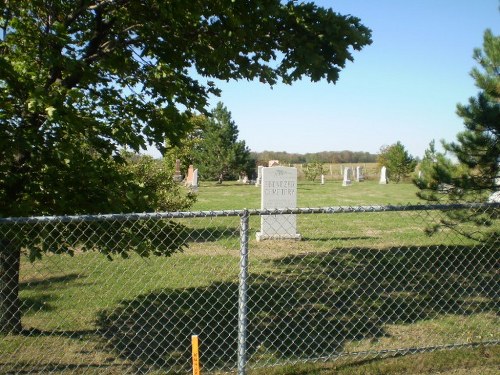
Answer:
(278, 190)
(359, 174)
(347, 176)
(177, 173)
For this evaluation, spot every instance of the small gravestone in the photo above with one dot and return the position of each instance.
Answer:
(359, 174)
(194, 182)
(383, 176)
(189, 177)
(258, 182)
(177, 173)
(274, 163)
(278, 190)
(347, 176)
(495, 196)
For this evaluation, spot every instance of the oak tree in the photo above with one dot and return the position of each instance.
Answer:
(81, 79)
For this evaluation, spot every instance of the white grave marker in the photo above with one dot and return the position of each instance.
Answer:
(495, 196)
(347, 176)
(278, 190)
(194, 183)
(359, 174)
(259, 175)
(383, 176)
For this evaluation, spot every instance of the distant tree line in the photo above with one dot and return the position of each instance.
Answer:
(318, 157)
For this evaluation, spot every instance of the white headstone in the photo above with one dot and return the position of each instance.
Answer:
(278, 190)
(195, 177)
(494, 198)
(359, 174)
(383, 175)
(259, 175)
(347, 176)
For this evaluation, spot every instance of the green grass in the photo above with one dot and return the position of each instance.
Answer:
(477, 361)
(375, 278)
(232, 195)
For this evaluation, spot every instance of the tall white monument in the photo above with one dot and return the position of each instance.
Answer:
(347, 176)
(383, 176)
(359, 174)
(278, 191)
(258, 182)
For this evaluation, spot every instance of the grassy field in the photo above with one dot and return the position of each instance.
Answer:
(231, 195)
(85, 314)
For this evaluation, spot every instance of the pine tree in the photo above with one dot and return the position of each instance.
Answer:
(474, 176)
(220, 155)
(478, 146)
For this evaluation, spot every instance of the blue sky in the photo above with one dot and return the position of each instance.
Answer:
(404, 87)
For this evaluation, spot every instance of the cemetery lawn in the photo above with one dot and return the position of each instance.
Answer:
(68, 301)
(233, 196)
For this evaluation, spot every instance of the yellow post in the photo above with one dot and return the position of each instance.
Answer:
(196, 354)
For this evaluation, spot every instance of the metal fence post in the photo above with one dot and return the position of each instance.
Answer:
(242, 296)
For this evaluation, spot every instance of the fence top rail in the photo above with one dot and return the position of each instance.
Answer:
(253, 212)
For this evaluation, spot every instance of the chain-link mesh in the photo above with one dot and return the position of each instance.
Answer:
(120, 294)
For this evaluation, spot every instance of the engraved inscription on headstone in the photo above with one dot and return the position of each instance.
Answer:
(278, 190)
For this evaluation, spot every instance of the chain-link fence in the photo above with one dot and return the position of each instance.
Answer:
(115, 294)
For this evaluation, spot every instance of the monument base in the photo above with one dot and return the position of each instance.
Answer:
(494, 198)
(262, 236)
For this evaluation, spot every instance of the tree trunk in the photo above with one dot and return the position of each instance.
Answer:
(10, 305)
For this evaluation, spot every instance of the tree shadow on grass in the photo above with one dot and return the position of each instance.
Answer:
(308, 306)
(32, 303)
(48, 281)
